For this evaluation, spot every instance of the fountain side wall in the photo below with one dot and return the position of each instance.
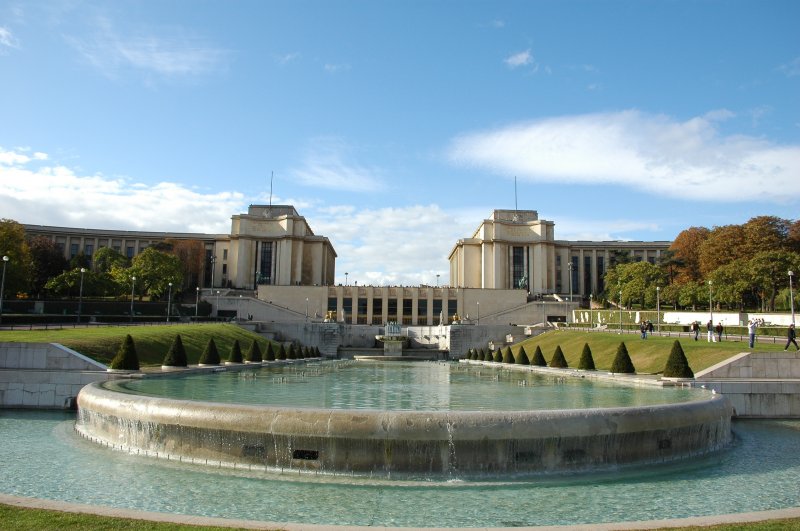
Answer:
(44, 375)
(386, 442)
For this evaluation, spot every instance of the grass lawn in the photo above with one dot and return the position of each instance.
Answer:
(23, 519)
(648, 355)
(152, 342)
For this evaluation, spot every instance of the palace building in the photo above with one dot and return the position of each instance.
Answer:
(271, 245)
(508, 268)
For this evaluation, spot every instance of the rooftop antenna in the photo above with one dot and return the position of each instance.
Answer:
(516, 209)
(271, 177)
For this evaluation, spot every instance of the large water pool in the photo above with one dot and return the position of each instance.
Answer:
(406, 386)
(43, 457)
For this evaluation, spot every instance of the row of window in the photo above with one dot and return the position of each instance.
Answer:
(362, 307)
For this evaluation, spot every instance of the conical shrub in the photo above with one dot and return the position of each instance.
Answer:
(176, 355)
(538, 358)
(253, 353)
(126, 358)
(210, 355)
(587, 361)
(558, 360)
(622, 361)
(236, 352)
(522, 356)
(482, 355)
(281, 354)
(292, 353)
(317, 353)
(497, 356)
(269, 353)
(677, 365)
(508, 356)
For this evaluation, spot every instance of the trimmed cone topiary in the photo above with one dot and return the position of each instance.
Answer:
(677, 364)
(253, 353)
(281, 354)
(508, 356)
(558, 360)
(497, 357)
(482, 354)
(269, 354)
(622, 361)
(236, 353)
(538, 358)
(317, 353)
(176, 355)
(292, 354)
(126, 358)
(522, 356)
(210, 355)
(587, 361)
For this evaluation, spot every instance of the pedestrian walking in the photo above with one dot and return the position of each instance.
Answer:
(719, 330)
(791, 336)
(643, 329)
(696, 329)
(710, 330)
(752, 325)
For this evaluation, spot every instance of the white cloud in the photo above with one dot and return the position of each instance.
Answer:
(792, 68)
(7, 39)
(328, 164)
(519, 59)
(36, 193)
(287, 58)
(391, 246)
(498, 23)
(173, 54)
(336, 68)
(653, 153)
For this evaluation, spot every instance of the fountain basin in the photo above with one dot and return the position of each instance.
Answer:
(413, 442)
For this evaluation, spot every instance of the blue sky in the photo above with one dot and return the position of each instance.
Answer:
(395, 127)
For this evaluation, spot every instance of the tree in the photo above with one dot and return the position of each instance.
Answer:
(210, 355)
(153, 269)
(253, 353)
(497, 356)
(192, 255)
(723, 245)
(68, 284)
(558, 360)
(47, 261)
(686, 252)
(236, 352)
(622, 361)
(522, 356)
(768, 272)
(281, 354)
(670, 264)
(176, 355)
(677, 365)
(126, 358)
(586, 362)
(269, 355)
(731, 283)
(793, 237)
(538, 358)
(765, 233)
(13, 245)
(106, 258)
(692, 293)
(508, 357)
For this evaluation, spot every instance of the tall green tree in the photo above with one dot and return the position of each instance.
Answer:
(106, 258)
(154, 270)
(18, 266)
(769, 271)
(47, 261)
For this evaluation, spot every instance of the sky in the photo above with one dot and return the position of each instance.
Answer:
(395, 127)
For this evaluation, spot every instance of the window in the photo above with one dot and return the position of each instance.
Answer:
(392, 308)
(408, 309)
(422, 309)
(574, 285)
(331, 304)
(265, 271)
(224, 254)
(587, 274)
(601, 271)
(347, 307)
(437, 310)
(518, 268)
(88, 250)
(129, 251)
(362, 310)
(73, 250)
(452, 309)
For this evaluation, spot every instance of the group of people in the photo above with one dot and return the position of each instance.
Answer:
(646, 327)
(714, 332)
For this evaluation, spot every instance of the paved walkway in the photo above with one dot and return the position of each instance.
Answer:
(35, 503)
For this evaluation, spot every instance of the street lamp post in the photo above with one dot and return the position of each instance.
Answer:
(710, 303)
(169, 300)
(591, 313)
(2, 286)
(217, 303)
(569, 267)
(196, 301)
(791, 295)
(239, 308)
(345, 277)
(133, 289)
(80, 296)
(213, 261)
(658, 309)
(620, 312)
(306, 308)
(479, 312)
(437, 280)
